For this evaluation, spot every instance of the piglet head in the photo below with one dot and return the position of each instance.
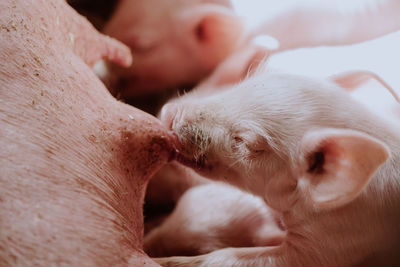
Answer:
(219, 137)
(282, 137)
(173, 43)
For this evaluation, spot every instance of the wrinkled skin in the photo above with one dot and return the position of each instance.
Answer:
(174, 43)
(74, 161)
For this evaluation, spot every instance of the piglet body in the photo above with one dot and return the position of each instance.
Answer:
(214, 216)
(174, 43)
(328, 165)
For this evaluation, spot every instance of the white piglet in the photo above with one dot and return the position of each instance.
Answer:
(325, 163)
(214, 216)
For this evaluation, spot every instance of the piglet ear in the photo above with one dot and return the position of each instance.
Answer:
(352, 80)
(216, 29)
(338, 164)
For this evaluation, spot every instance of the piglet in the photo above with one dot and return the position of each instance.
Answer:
(169, 184)
(173, 42)
(324, 162)
(74, 162)
(214, 216)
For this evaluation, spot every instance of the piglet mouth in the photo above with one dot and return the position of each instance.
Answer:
(176, 146)
(198, 163)
(187, 155)
(190, 142)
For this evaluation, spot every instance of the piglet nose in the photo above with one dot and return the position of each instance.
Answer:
(168, 114)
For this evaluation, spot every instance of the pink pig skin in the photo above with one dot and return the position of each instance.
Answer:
(74, 162)
(174, 43)
(328, 166)
(213, 216)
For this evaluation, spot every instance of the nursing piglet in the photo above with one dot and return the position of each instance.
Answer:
(325, 163)
(174, 178)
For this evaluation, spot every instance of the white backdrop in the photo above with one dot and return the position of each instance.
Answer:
(381, 55)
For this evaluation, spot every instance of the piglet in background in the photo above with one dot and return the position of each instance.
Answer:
(173, 43)
(214, 216)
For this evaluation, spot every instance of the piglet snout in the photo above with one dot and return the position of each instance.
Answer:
(168, 114)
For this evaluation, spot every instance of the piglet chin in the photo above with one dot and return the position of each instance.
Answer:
(181, 157)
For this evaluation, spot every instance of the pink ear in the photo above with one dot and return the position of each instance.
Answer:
(355, 79)
(217, 30)
(338, 164)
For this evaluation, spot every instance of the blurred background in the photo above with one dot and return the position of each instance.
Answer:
(380, 55)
